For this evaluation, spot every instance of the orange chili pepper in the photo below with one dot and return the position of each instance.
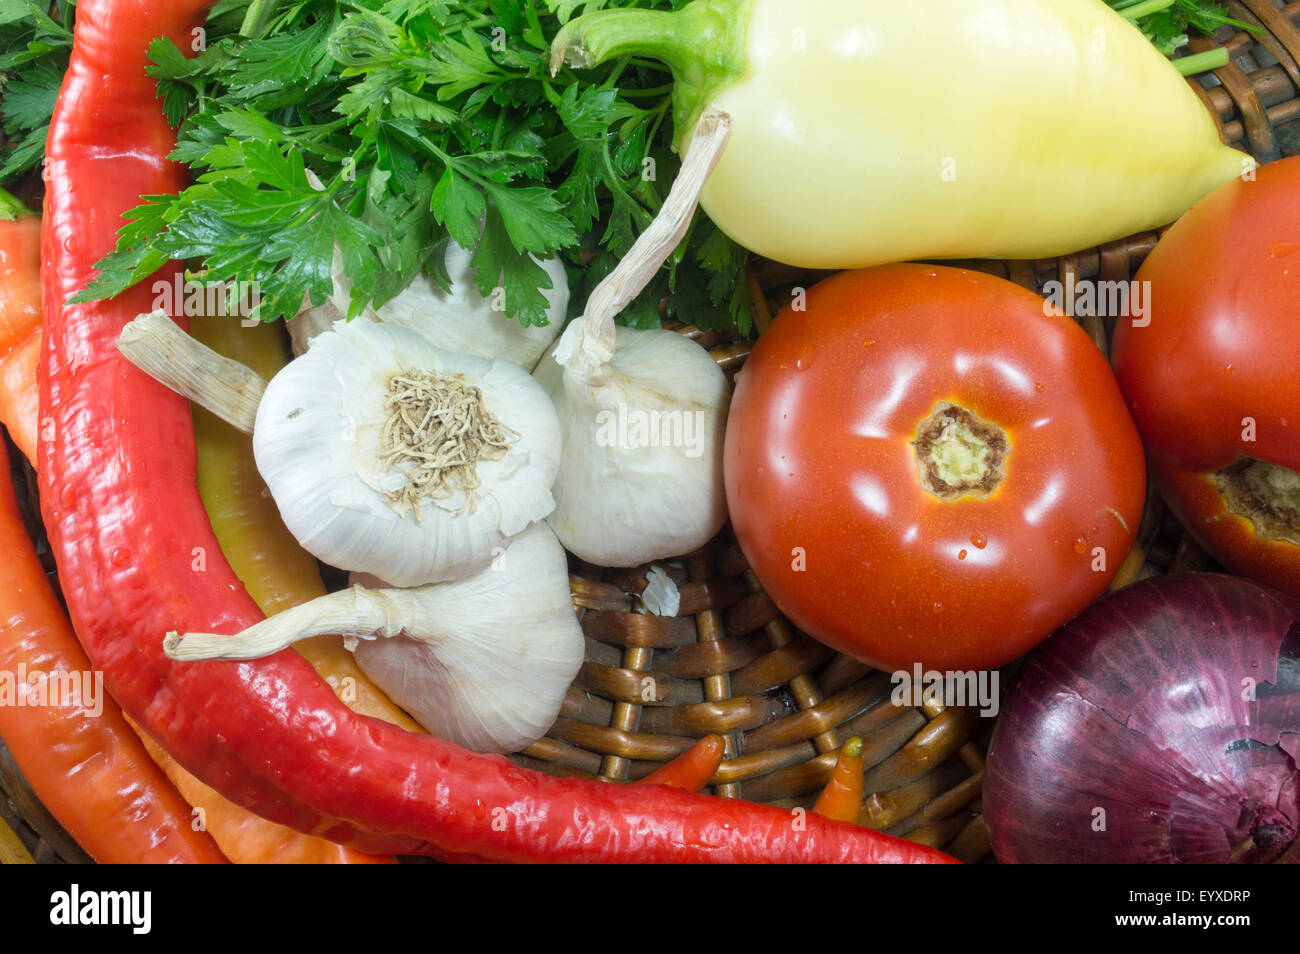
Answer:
(693, 769)
(20, 321)
(77, 752)
(247, 838)
(842, 797)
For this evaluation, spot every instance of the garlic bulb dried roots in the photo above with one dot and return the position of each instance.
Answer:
(483, 662)
(643, 413)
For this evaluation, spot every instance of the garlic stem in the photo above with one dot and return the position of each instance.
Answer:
(656, 243)
(310, 322)
(157, 346)
(354, 612)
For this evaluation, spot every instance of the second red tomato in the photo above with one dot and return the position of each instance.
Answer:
(924, 466)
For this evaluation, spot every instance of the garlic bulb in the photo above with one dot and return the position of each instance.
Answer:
(384, 454)
(483, 662)
(641, 473)
(459, 320)
(642, 412)
(389, 456)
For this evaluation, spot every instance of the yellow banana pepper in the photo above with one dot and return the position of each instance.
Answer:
(874, 131)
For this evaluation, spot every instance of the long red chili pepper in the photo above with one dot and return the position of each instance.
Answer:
(137, 558)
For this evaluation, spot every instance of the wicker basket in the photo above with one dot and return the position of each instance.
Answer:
(729, 663)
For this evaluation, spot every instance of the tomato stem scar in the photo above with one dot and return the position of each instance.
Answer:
(959, 454)
(1268, 495)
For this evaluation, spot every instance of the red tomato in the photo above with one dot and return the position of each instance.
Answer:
(824, 483)
(1213, 380)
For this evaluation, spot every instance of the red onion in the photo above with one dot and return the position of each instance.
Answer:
(1160, 725)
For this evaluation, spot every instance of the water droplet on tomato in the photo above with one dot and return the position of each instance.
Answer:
(1080, 544)
(68, 497)
(70, 243)
(938, 607)
(961, 554)
(1282, 249)
(869, 343)
(803, 362)
(120, 556)
(1038, 387)
(979, 541)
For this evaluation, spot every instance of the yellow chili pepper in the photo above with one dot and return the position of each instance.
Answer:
(274, 569)
(875, 131)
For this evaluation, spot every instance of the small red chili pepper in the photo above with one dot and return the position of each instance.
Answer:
(138, 558)
(693, 768)
(841, 799)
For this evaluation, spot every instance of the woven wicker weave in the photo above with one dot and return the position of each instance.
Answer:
(730, 663)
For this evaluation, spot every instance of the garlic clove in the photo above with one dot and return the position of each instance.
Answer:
(319, 441)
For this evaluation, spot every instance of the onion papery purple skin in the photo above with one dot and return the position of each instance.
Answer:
(1161, 725)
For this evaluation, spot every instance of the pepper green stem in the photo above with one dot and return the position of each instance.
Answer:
(11, 209)
(703, 44)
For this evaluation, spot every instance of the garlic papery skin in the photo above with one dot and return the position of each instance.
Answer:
(641, 473)
(643, 413)
(661, 596)
(484, 662)
(318, 441)
(459, 320)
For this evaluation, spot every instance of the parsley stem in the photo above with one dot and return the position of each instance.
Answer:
(1146, 8)
(498, 128)
(657, 91)
(257, 16)
(1200, 62)
(12, 209)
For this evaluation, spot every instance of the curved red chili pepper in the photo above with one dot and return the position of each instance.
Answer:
(137, 558)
